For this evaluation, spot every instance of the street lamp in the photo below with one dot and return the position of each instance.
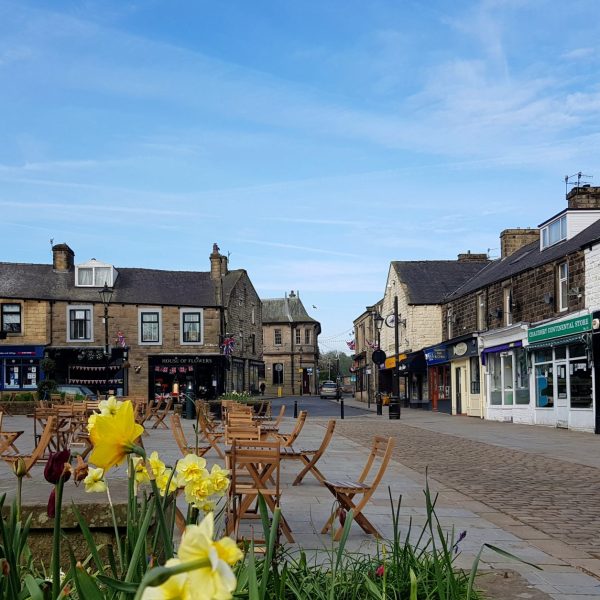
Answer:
(394, 408)
(106, 296)
(378, 324)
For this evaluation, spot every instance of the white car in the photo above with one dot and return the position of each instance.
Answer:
(330, 389)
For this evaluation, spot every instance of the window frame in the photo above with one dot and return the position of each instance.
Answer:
(84, 307)
(182, 322)
(277, 336)
(149, 310)
(449, 321)
(307, 337)
(298, 336)
(507, 302)
(562, 297)
(3, 314)
(110, 279)
(481, 312)
(547, 239)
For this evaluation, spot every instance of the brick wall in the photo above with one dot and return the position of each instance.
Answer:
(528, 291)
(592, 277)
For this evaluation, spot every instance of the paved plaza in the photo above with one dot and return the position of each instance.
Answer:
(529, 490)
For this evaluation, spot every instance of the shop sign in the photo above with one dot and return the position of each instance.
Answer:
(560, 329)
(184, 360)
(465, 349)
(437, 354)
(390, 362)
(21, 351)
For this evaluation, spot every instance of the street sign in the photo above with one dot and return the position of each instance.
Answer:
(378, 357)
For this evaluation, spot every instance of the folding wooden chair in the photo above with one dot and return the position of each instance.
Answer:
(8, 436)
(287, 439)
(255, 469)
(212, 436)
(180, 439)
(345, 491)
(39, 450)
(242, 433)
(159, 414)
(309, 456)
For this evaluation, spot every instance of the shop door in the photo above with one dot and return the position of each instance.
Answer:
(457, 373)
(305, 382)
(562, 395)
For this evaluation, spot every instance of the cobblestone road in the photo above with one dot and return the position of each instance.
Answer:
(559, 498)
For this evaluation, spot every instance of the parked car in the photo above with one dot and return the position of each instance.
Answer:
(330, 389)
(76, 390)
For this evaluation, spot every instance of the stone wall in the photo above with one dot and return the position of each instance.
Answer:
(592, 277)
(35, 323)
(528, 291)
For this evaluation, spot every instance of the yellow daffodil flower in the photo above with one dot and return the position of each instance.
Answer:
(163, 479)
(139, 469)
(157, 465)
(91, 421)
(114, 436)
(109, 406)
(208, 506)
(198, 491)
(190, 468)
(176, 587)
(94, 482)
(219, 479)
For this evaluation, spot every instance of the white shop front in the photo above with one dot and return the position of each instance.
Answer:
(563, 373)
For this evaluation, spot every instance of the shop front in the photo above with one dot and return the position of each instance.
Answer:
(563, 373)
(413, 369)
(439, 378)
(386, 377)
(201, 376)
(465, 375)
(20, 367)
(507, 375)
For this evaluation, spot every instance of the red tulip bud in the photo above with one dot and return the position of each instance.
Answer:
(380, 571)
(56, 467)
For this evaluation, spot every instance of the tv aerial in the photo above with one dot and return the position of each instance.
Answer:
(570, 180)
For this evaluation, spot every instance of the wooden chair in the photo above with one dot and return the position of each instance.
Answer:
(212, 436)
(344, 491)
(181, 441)
(242, 433)
(287, 439)
(255, 469)
(309, 456)
(39, 450)
(8, 436)
(159, 414)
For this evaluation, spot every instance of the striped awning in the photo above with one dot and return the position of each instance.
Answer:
(581, 338)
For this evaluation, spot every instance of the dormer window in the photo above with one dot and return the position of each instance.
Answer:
(554, 232)
(95, 274)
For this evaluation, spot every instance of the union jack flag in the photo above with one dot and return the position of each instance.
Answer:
(372, 345)
(351, 344)
(228, 345)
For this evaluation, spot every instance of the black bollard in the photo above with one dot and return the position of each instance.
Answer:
(295, 409)
(341, 409)
(379, 405)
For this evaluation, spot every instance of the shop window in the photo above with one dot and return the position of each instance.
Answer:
(80, 324)
(11, 318)
(562, 282)
(21, 374)
(191, 326)
(150, 326)
(544, 386)
(298, 336)
(495, 369)
(521, 377)
(307, 336)
(278, 374)
(475, 375)
(277, 337)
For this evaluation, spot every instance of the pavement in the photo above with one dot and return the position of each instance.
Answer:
(529, 490)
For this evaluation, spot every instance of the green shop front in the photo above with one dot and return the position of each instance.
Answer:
(562, 371)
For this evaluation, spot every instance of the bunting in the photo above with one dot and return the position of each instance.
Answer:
(351, 344)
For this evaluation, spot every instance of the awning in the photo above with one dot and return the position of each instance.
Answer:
(414, 362)
(499, 348)
(569, 339)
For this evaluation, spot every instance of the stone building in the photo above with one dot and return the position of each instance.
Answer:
(166, 331)
(420, 288)
(290, 346)
(366, 341)
(527, 315)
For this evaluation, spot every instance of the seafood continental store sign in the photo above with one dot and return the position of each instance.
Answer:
(560, 329)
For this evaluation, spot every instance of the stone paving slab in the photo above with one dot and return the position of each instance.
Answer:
(458, 506)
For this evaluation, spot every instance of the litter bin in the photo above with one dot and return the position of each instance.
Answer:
(190, 408)
(394, 407)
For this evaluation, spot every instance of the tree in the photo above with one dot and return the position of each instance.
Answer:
(330, 362)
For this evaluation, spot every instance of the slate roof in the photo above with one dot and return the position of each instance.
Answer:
(285, 310)
(133, 286)
(527, 257)
(430, 281)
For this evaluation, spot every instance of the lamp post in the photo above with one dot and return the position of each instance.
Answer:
(378, 325)
(106, 296)
(395, 399)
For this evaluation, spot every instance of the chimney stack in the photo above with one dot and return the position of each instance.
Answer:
(512, 240)
(63, 258)
(584, 196)
(218, 264)
(468, 257)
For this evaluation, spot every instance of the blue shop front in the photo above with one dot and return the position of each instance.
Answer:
(20, 367)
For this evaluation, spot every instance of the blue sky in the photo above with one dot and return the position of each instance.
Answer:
(313, 141)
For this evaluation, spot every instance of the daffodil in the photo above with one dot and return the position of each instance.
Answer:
(114, 436)
(163, 480)
(157, 465)
(219, 479)
(91, 422)
(198, 491)
(94, 482)
(190, 468)
(109, 406)
(139, 470)
(177, 587)
(207, 506)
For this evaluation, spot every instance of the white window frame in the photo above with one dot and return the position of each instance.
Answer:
(298, 336)
(94, 284)
(275, 342)
(449, 321)
(507, 305)
(185, 311)
(71, 307)
(150, 309)
(481, 320)
(561, 224)
(563, 299)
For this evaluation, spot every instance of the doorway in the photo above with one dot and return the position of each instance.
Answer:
(458, 377)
